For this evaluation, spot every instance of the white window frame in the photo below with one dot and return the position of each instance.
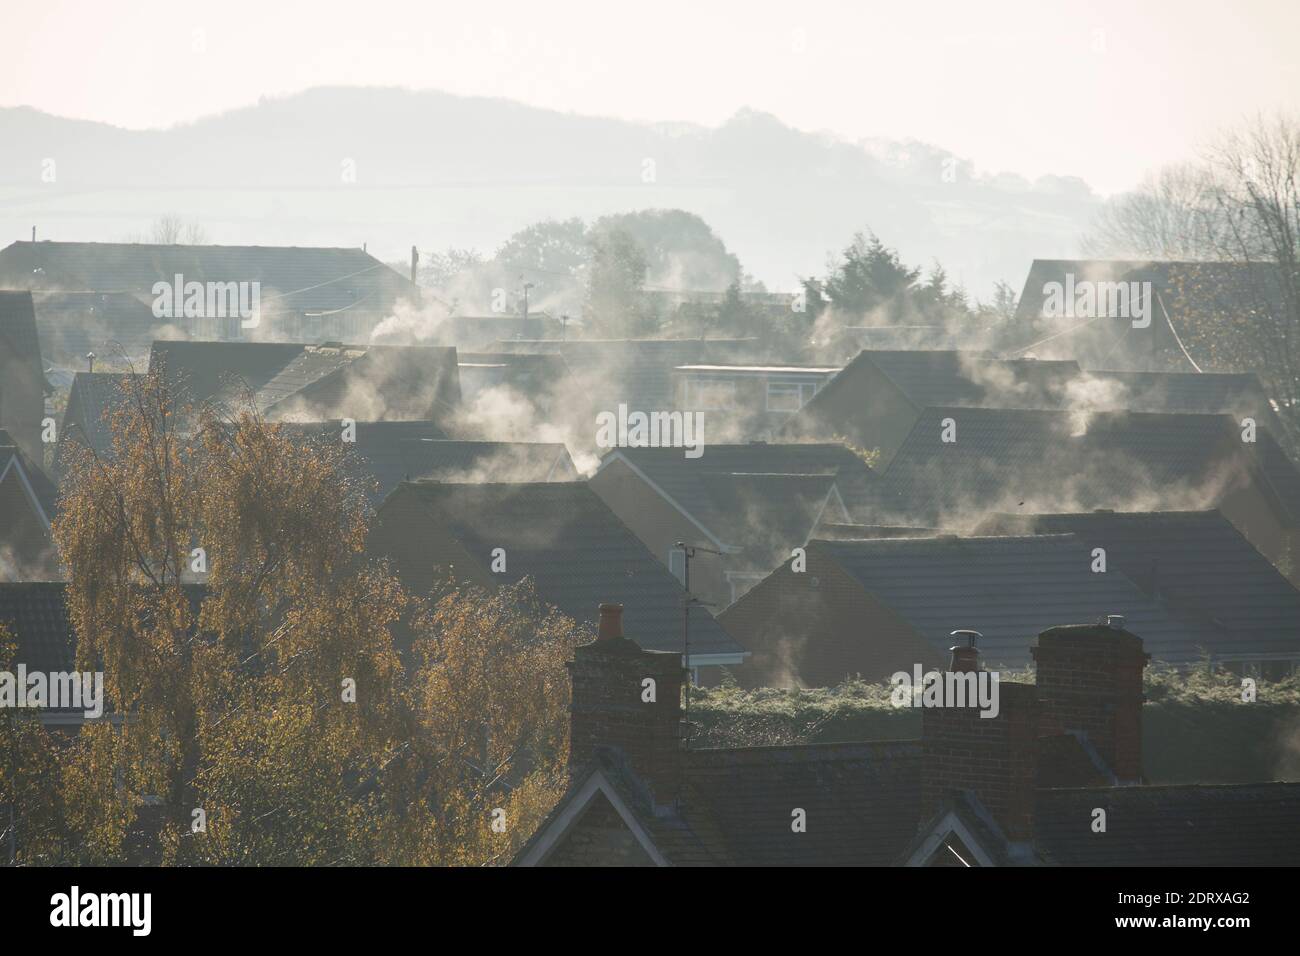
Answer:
(803, 388)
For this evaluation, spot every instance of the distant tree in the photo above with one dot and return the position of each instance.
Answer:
(614, 306)
(869, 276)
(172, 230)
(1167, 217)
(681, 250)
(546, 250)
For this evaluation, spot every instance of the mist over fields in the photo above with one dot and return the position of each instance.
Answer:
(391, 168)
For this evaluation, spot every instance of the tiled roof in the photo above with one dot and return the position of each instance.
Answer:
(1183, 826)
(687, 480)
(377, 449)
(315, 381)
(637, 372)
(860, 802)
(92, 401)
(205, 371)
(37, 617)
(469, 461)
(292, 277)
(18, 336)
(1010, 589)
(1196, 562)
(46, 492)
(1017, 460)
(577, 552)
(736, 807)
(766, 515)
(106, 323)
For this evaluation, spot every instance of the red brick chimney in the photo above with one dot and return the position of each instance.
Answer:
(994, 758)
(610, 709)
(1090, 680)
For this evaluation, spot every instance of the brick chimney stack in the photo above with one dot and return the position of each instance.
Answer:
(1090, 680)
(616, 708)
(993, 758)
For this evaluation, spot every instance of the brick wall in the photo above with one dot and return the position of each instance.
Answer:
(609, 710)
(994, 758)
(1090, 680)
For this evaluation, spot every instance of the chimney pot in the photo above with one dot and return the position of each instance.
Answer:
(611, 622)
(965, 657)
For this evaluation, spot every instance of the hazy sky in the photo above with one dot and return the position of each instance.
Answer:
(1102, 90)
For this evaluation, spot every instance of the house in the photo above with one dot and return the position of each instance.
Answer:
(114, 326)
(751, 503)
(303, 294)
(388, 453)
(532, 376)
(27, 506)
(1200, 567)
(562, 536)
(605, 373)
(471, 333)
(875, 401)
(315, 382)
(870, 607)
(22, 374)
(93, 400)
(958, 464)
(1181, 294)
(757, 399)
(637, 798)
(36, 615)
(1019, 787)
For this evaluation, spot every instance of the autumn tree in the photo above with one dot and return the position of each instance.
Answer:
(217, 575)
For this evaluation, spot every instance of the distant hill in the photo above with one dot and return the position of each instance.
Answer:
(435, 169)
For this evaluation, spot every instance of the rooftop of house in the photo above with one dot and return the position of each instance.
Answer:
(1226, 284)
(35, 481)
(636, 372)
(1177, 826)
(396, 451)
(692, 483)
(969, 378)
(736, 804)
(1021, 460)
(315, 381)
(107, 323)
(1011, 588)
(761, 369)
(1196, 562)
(578, 553)
(37, 617)
(92, 401)
(297, 278)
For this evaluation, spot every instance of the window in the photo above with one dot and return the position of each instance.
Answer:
(709, 394)
(789, 397)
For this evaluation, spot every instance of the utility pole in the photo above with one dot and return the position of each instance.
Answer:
(415, 263)
(688, 552)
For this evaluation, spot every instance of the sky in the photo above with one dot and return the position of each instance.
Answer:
(1101, 90)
